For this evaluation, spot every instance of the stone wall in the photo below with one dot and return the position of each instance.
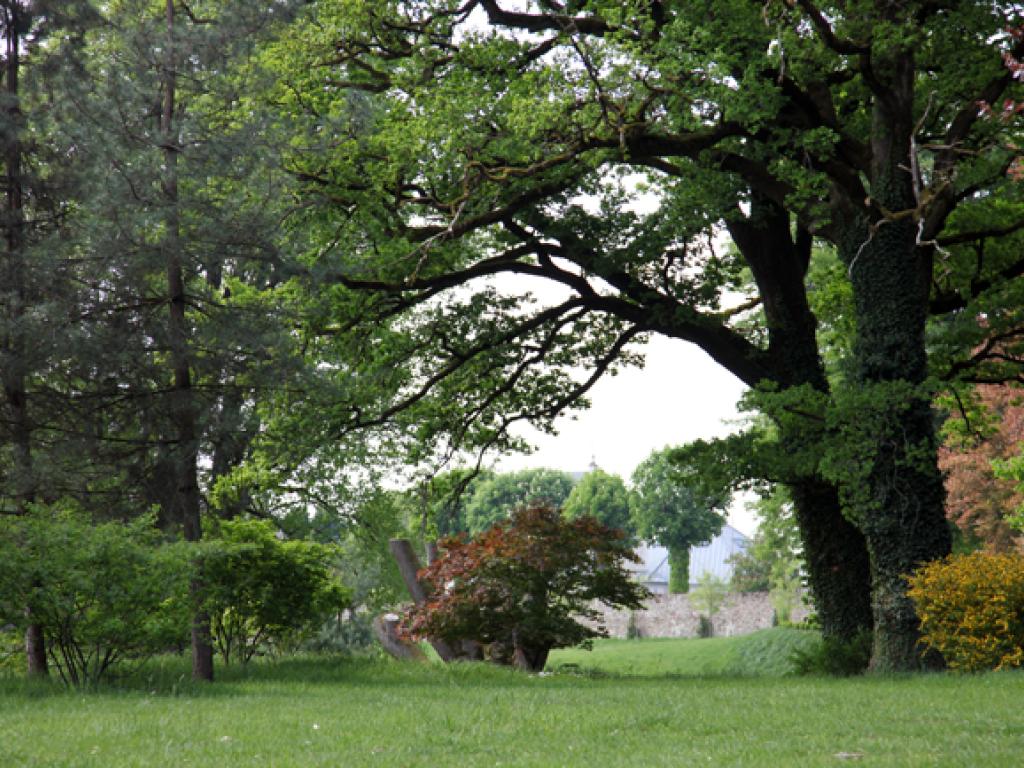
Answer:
(673, 616)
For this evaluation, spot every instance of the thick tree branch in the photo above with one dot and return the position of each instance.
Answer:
(954, 300)
(554, 22)
(982, 234)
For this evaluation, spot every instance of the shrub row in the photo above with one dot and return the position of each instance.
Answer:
(110, 593)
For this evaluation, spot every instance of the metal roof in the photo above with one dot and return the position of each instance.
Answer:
(654, 568)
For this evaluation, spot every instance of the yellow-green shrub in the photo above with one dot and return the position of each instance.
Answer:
(971, 609)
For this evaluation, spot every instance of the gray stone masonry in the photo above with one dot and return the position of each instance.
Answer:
(673, 616)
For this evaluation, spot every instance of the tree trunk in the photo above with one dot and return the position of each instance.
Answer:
(35, 650)
(836, 556)
(386, 629)
(529, 657)
(896, 492)
(184, 412)
(678, 570)
(835, 552)
(13, 346)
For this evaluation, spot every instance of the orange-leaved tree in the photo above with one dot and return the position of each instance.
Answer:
(978, 500)
(525, 583)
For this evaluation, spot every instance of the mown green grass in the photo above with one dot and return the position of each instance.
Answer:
(768, 652)
(336, 712)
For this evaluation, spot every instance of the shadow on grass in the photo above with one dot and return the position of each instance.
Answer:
(170, 676)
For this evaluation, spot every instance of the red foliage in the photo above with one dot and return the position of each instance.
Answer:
(976, 500)
(523, 583)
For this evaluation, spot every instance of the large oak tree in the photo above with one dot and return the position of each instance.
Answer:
(601, 146)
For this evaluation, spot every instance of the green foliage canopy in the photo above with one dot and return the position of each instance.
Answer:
(668, 510)
(497, 497)
(106, 594)
(601, 496)
(262, 591)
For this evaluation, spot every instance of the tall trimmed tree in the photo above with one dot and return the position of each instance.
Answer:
(666, 510)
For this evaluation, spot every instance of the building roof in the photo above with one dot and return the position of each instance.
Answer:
(712, 557)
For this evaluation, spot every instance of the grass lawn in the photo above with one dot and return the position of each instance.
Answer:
(653, 703)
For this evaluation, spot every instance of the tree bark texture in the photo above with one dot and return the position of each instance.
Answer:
(899, 504)
(835, 551)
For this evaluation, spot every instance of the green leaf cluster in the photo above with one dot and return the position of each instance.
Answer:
(107, 595)
(262, 592)
(604, 497)
(668, 509)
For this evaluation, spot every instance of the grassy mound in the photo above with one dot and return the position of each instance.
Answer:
(764, 653)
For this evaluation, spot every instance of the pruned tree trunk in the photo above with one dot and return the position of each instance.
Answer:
(679, 570)
(409, 568)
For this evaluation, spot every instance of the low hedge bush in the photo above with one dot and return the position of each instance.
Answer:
(971, 609)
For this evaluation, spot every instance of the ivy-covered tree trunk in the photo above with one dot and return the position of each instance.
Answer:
(835, 551)
(837, 560)
(679, 570)
(895, 489)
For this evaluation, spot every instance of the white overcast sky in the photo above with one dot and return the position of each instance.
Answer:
(680, 395)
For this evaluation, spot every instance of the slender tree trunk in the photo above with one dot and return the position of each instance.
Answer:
(184, 411)
(835, 551)
(678, 570)
(13, 347)
(897, 495)
(35, 649)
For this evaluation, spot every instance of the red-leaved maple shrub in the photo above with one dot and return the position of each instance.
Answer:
(523, 584)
